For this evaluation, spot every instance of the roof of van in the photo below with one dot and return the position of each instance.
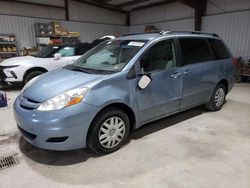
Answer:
(152, 36)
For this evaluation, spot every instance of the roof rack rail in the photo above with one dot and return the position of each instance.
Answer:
(164, 32)
(129, 34)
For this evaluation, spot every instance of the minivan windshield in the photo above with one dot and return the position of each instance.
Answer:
(110, 56)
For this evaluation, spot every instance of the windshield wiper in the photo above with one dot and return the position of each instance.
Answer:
(87, 70)
(80, 69)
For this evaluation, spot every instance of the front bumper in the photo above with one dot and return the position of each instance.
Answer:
(64, 129)
(8, 80)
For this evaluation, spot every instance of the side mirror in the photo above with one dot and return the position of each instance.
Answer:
(144, 82)
(57, 56)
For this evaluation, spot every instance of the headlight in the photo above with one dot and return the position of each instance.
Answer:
(65, 99)
(29, 83)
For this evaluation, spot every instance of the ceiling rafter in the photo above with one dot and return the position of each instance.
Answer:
(130, 3)
(102, 4)
(154, 4)
(34, 3)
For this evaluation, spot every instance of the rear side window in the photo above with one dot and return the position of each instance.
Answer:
(219, 49)
(195, 50)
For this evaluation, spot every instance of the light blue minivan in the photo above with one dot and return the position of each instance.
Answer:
(122, 84)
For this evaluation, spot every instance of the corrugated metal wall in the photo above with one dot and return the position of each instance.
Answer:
(234, 28)
(77, 11)
(23, 27)
(15, 8)
(179, 25)
(82, 12)
(164, 13)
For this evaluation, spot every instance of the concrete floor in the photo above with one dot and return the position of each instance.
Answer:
(193, 149)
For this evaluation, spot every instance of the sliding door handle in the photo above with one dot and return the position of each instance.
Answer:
(176, 75)
(187, 72)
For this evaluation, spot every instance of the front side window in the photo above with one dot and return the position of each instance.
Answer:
(67, 51)
(195, 50)
(159, 57)
(50, 50)
(47, 52)
(110, 56)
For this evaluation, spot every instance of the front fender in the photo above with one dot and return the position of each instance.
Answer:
(114, 90)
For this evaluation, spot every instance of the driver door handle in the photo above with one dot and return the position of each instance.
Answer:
(176, 75)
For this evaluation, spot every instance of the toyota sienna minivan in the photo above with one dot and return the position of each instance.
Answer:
(122, 84)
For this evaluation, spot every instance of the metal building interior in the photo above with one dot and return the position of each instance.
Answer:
(195, 148)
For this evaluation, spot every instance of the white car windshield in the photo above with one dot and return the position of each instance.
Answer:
(49, 51)
(110, 56)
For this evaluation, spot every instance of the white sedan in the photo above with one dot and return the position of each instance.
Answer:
(22, 69)
(19, 70)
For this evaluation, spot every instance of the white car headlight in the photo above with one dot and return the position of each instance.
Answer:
(29, 83)
(65, 99)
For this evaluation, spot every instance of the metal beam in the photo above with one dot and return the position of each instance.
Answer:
(102, 5)
(129, 3)
(190, 3)
(66, 5)
(128, 19)
(103, 1)
(200, 10)
(154, 4)
(31, 3)
(199, 7)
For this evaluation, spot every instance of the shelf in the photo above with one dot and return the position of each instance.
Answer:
(56, 36)
(4, 43)
(8, 52)
(8, 40)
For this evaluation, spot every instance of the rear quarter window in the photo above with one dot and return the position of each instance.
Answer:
(195, 50)
(219, 49)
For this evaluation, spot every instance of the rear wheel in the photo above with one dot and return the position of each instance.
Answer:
(109, 131)
(31, 75)
(217, 99)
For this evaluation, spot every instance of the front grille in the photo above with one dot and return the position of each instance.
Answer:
(27, 134)
(28, 104)
(26, 107)
(57, 139)
(2, 75)
(6, 162)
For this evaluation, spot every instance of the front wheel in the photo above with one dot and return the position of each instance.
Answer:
(31, 75)
(109, 131)
(217, 99)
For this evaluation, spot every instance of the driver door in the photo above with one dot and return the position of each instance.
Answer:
(164, 93)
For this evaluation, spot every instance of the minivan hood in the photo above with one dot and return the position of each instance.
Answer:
(16, 60)
(58, 81)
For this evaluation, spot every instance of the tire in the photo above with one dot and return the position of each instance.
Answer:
(217, 99)
(103, 138)
(31, 75)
